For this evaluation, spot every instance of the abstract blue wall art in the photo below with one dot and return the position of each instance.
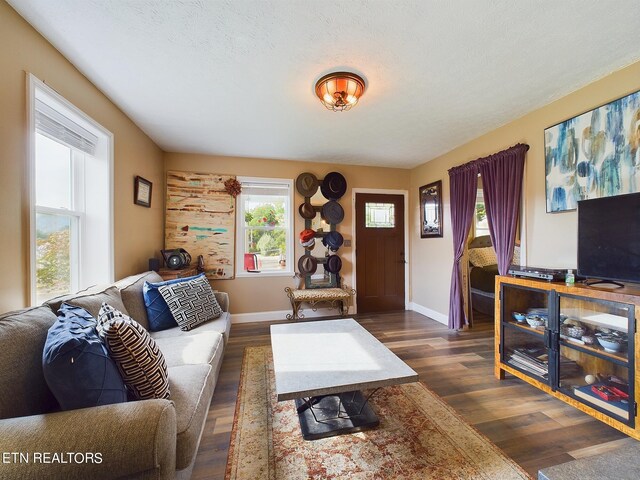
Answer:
(596, 154)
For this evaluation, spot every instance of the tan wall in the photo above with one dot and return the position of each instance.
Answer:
(551, 239)
(138, 230)
(267, 293)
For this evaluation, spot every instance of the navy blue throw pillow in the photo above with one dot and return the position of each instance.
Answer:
(76, 363)
(158, 313)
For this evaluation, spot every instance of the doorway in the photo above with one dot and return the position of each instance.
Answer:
(380, 252)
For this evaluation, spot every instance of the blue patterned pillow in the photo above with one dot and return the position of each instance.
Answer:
(76, 364)
(160, 317)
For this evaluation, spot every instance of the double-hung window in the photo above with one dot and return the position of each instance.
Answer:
(71, 200)
(481, 224)
(264, 227)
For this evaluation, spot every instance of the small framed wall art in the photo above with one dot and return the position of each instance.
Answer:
(142, 192)
(431, 210)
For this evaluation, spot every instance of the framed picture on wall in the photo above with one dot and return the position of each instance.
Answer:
(595, 154)
(431, 210)
(142, 192)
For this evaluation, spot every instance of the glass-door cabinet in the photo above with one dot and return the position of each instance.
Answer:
(525, 332)
(596, 354)
(576, 343)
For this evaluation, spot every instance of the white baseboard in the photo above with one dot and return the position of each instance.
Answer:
(427, 312)
(277, 315)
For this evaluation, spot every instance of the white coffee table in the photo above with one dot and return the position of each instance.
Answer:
(324, 365)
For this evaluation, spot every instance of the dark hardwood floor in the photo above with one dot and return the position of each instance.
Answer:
(531, 427)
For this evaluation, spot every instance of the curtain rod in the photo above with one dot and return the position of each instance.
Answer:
(474, 164)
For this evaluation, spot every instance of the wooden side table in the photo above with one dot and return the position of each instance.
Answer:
(168, 274)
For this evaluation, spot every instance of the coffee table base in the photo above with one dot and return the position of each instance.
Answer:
(330, 415)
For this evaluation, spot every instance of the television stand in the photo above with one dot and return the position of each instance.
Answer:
(580, 344)
(590, 283)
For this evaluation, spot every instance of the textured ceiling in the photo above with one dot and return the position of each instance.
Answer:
(236, 77)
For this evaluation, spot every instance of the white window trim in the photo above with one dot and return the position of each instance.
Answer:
(91, 125)
(240, 273)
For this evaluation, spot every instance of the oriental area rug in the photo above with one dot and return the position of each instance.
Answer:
(419, 437)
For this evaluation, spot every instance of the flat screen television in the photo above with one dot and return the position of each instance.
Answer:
(609, 238)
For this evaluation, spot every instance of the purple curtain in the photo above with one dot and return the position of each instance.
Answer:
(502, 186)
(463, 184)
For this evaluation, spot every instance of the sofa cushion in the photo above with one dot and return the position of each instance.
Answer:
(158, 312)
(91, 300)
(76, 364)
(482, 257)
(131, 293)
(140, 361)
(191, 391)
(23, 389)
(222, 325)
(192, 302)
(203, 347)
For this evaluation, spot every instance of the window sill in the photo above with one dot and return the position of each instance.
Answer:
(244, 274)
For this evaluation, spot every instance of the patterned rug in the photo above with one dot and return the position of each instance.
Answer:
(419, 437)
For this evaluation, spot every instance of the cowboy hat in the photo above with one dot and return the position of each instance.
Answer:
(332, 212)
(307, 184)
(333, 264)
(333, 240)
(307, 265)
(307, 211)
(333, 186)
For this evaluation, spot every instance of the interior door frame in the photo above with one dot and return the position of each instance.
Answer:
(405, 195)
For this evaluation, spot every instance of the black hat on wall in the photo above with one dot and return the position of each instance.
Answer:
(333, 264)
(334, 186)
(332, 212)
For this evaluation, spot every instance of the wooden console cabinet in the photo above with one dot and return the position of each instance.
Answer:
(564, 356)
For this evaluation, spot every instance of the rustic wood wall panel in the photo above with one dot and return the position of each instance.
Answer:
(201, 218)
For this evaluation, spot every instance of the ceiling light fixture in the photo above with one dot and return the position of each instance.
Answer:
(340, 91)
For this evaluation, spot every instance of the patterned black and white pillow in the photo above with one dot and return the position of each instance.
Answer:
(136, 354)
(191, 303)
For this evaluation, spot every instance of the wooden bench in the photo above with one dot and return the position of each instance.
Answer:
(340, 298)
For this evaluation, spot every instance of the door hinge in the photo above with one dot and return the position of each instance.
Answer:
(635, 409)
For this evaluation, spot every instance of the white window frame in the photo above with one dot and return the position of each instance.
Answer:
(240, 231)
(106, 152)
(479, 199)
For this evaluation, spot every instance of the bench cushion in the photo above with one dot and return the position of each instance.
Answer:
(315, 294)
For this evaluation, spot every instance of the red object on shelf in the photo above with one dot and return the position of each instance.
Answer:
(606, 393)
(250, 262)
(620, 393)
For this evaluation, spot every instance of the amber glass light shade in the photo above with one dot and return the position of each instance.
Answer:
(340, 91)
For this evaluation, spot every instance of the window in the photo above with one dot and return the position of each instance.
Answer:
(481, 224)
(265, 227)
(379, 215)
(71, 219)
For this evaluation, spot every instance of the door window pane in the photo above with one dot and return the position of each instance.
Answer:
(379, 215)
(53, 173)
(53, 256)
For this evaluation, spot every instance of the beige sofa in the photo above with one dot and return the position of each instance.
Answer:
(149, 439)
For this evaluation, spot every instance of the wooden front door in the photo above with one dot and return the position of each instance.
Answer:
(380, 255)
